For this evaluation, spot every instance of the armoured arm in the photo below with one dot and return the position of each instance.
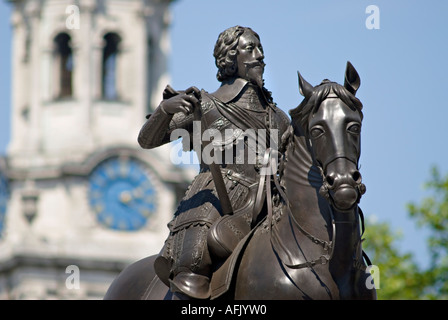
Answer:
(154, 131)
(174, 112)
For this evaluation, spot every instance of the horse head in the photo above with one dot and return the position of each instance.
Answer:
(331, 118)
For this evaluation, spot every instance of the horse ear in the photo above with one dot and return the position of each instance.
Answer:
(305, 88)
(352, 80)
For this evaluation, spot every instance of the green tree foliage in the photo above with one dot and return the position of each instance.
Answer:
(400, 276)
(432, 213)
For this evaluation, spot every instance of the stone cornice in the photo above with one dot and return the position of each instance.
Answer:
(34, 261)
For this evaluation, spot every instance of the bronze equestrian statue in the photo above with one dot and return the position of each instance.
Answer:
(239, 110)
(304, 240)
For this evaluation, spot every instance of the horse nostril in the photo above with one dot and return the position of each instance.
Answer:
(357, 176)
(330, 179)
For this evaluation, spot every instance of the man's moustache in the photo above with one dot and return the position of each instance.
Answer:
(254, 64)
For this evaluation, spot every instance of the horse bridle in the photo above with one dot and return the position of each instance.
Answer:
(270, 163)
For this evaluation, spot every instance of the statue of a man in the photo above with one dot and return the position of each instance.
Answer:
(240, 105)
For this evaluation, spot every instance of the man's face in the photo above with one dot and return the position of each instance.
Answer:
(250, 58)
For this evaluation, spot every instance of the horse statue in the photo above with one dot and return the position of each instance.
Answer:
(309, 245)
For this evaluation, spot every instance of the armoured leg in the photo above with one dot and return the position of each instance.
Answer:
(192, 263)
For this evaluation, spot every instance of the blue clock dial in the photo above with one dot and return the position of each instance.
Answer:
(121, 194)
(4, 195)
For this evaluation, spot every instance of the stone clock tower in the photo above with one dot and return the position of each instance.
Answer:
(79, 199)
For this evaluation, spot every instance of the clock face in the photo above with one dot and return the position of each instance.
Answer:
(4, 194)
(121, 194)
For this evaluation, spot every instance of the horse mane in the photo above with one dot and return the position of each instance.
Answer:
(310, 105)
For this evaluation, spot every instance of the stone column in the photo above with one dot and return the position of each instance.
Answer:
(34, 138)
(86, 68)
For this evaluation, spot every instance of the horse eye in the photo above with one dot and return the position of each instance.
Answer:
(354, 128)
(316, 132)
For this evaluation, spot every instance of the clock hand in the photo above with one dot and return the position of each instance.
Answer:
(128, 195)
(125, 197)
(137, 192)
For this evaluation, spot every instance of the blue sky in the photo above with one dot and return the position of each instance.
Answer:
(403, 68)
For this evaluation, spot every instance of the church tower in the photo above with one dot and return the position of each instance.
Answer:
(79, 198)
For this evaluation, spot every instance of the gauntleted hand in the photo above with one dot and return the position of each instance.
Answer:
(180, 101)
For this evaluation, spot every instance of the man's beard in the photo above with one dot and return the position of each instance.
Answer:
(254, 72)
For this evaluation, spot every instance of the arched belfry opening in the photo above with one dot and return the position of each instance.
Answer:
(110, 66)
(64, 64)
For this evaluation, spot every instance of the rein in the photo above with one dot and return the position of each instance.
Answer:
(270, 168)
(327, 246)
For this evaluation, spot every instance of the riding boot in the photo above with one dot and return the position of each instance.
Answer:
(192, 285)
(162, 266)
(192, 263)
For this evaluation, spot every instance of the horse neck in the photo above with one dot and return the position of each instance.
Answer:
(302, 180)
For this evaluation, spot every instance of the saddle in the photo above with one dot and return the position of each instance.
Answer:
(222, 278)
